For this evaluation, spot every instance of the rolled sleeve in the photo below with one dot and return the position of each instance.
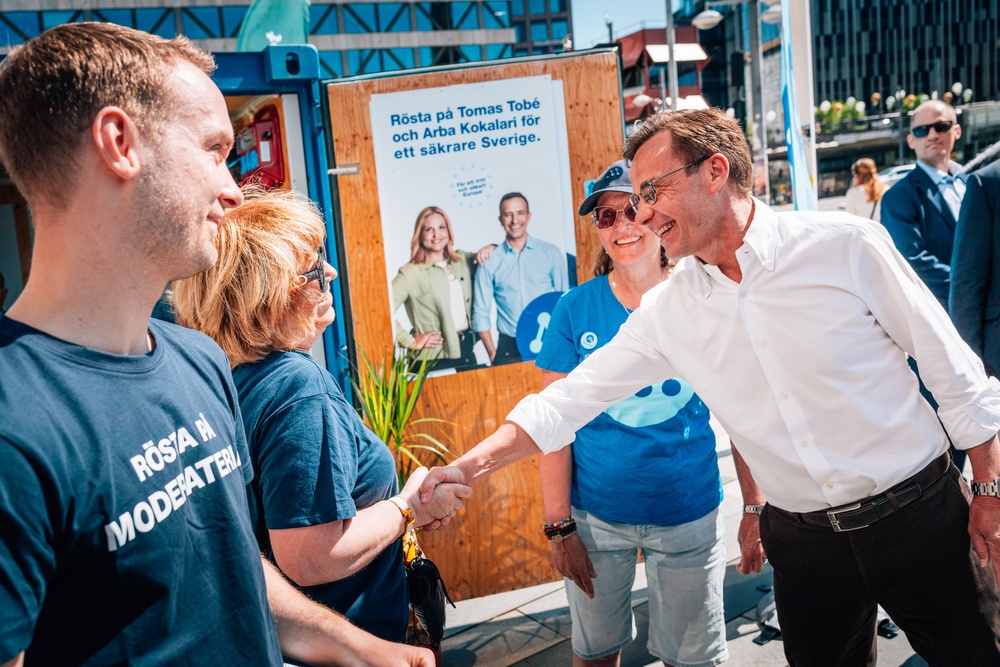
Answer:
(969, 401)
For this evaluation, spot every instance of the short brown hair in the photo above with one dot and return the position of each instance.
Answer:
(253, 301)
(699, 133)
(417, 253)
(53, 86)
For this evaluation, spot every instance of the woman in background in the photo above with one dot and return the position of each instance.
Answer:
(324, 498)
(641, 475)
(864, 197)
(435, 287)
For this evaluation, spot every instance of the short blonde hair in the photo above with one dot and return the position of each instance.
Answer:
(252, 301)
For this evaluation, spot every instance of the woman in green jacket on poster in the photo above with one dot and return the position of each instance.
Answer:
(435, 287)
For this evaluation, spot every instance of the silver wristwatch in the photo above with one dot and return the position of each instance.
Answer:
(986, 488)
(753, 509)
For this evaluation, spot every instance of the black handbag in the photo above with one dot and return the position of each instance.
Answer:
(427, 590)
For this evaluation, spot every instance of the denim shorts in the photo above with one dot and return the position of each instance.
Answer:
(685, 568)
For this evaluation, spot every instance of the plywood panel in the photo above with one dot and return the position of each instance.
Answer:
(496, 544)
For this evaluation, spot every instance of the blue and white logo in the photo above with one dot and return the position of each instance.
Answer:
(652, 405)
(588, 340)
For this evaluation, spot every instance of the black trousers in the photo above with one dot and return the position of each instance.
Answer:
(467, 340)
(507, 352)
(917, 563)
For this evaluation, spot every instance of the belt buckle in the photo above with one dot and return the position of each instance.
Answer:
(832, 516)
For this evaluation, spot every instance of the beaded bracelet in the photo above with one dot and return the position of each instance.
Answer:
(559, 524)
(558, 531)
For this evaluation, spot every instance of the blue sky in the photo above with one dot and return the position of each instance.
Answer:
(626, 15)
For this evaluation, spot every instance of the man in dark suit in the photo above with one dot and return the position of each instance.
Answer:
(975, 279)
(920, 212)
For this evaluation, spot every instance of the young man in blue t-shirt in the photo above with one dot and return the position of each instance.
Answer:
(124, 530)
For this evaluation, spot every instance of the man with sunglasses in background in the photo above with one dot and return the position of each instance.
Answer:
(794, 329)
(921, 211)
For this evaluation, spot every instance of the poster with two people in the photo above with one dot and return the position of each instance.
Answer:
(477, 217)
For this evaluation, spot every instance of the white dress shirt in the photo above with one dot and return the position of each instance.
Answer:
(804, 362)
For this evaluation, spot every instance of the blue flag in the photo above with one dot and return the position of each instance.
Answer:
(803, 188)
(271, 22)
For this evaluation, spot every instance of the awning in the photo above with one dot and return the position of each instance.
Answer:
(686, 52)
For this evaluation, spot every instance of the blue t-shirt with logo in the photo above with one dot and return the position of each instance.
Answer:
(317, 463)
(649, 460)
(124, 530)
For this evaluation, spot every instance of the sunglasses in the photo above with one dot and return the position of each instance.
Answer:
(942, 126)
(319, 272)
(647, 190)
(606, 217)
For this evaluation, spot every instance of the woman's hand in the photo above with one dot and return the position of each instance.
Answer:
(425, 340)
(572, 559)
(485, 253)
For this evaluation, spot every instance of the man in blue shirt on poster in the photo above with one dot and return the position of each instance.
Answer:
(521, 269)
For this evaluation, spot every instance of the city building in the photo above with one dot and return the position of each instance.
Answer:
(352, 37)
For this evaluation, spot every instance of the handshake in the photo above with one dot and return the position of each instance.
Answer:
(435, 496)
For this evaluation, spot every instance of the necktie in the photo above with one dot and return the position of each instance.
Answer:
(946, 185)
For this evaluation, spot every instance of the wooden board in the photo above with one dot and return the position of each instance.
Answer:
(496, 543)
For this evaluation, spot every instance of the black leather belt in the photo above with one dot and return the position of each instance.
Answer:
(864, 513)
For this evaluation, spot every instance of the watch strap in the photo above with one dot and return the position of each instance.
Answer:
(986, 488)
(404, 509)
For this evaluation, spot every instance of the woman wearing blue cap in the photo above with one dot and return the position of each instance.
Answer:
(643, 474)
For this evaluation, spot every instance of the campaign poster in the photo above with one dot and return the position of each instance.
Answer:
(466, 171)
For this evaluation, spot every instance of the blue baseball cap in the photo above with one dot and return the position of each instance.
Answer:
(614, 179)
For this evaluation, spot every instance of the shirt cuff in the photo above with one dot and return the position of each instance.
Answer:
(543, 423)
(978, 420)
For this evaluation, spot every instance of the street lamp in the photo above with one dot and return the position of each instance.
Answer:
(709, 19)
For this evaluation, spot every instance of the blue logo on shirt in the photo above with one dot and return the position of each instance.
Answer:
(588, 340)
(652, 405)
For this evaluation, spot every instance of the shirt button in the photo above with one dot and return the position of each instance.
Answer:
(805, 443)
(829, 485)
(743, 293)
(784, 394)
(763, 342)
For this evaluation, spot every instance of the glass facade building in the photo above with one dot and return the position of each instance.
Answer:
(352, 37)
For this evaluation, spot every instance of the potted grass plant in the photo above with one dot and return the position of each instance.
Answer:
(388, 390)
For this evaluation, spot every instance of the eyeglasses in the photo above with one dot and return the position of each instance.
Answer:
(921, 131)
(606, 217)
(648, 191)
(318, 273)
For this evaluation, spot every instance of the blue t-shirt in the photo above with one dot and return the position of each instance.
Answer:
(124, 530)
(316, 463)
(649, 460)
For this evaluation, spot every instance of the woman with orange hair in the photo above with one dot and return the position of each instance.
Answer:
(324, 499)
(864, 197)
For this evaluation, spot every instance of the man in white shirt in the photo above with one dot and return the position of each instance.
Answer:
(795, 331)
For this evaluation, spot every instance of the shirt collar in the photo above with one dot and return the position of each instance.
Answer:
(529, 243)
(954, 169)
(761, 239)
